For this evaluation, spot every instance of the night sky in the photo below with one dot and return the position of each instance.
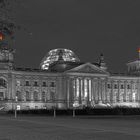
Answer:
(87, 27)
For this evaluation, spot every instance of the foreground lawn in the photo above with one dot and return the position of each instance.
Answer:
(68, 128)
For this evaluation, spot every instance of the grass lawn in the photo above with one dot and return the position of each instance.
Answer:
(68, 128)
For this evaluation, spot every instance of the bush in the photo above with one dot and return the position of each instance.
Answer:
(85, 111)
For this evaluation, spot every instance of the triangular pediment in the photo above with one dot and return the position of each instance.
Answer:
(88, 68)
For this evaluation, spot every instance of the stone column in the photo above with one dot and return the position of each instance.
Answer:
(75, 90)
(92, 88)
(79, 91)
(103, 90)
(138, 91)
(99, 91)
(83, 89)
(71, 91)
(68, 92)
(125, 91)
(40, 90)
(96, 96)
(112, 94)
(118, 94)
(130, 96)
(88, 92)
(106, 100)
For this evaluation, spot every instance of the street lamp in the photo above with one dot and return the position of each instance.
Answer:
(73, 111)
(54, 109)
(16, 99)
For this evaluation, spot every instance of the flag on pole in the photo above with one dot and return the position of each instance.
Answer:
(139, 50)
(1, 36)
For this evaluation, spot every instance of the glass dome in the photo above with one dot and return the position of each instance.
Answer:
(60, 54)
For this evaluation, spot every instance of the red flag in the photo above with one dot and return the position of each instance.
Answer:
(139, 50)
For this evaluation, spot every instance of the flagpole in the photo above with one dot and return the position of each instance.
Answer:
(139, 53)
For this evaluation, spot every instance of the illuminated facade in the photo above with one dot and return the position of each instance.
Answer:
(64, 82)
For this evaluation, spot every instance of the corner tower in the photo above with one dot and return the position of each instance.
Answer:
(134, 66)
(6, 43)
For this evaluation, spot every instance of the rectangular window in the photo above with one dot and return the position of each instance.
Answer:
(44, 84)
(1, 95)
(109, 86)
(122, 86)
(52, 84)
(115, 86)
(35, 84)
(27, 83)
(128, 86)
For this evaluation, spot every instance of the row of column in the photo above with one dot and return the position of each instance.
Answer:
(95, 90)
(124, 94)
(86, 90)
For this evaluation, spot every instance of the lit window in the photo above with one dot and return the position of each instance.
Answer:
(18, 83)
(134, 96)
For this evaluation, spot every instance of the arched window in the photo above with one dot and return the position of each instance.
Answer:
(2, 83)
(19, 96)
(52, 95)
(28, 97)
(35, 95)
(1, 96)
(43, 96)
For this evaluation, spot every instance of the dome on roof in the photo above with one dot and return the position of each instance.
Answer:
(58, 55)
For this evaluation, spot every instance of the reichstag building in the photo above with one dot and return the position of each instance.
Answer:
(63, 81)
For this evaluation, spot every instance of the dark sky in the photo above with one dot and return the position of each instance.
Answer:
(88, 27)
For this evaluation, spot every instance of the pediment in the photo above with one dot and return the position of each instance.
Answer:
(88, 68)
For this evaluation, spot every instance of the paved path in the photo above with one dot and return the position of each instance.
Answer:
(68, 128)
